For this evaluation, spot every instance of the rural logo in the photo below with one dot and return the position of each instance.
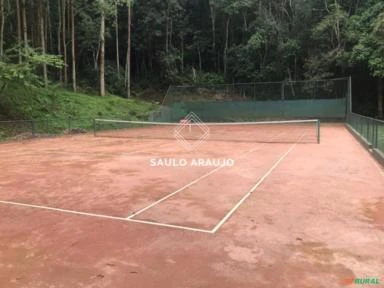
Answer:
(365, 281)
(191, 132)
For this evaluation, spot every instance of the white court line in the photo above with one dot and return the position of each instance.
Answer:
(128, 218)
(170, 226)
(174, 193)
(61, 210)
(104, 216)
(245, 197)
(196, 180)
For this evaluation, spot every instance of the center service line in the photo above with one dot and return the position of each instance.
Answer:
(134, 214)
(245, 197)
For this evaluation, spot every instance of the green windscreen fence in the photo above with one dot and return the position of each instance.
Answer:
(252, 101)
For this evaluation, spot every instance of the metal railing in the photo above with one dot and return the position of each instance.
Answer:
(370, 129)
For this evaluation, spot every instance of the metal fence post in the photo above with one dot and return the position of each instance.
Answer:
(376, 135)
(94, 127)
(349, 97)
(282, 91)
(33, 128)
(69, 125)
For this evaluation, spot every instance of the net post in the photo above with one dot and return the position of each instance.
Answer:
(318, 131)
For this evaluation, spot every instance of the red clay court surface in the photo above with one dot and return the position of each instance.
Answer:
(84, 211)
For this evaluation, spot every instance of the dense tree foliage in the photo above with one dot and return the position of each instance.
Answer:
(160, 42)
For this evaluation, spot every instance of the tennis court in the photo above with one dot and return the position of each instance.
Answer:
(299, 205)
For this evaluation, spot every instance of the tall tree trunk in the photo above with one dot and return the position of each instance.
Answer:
(213, 22)
(212, 8)
(2, 24)
(149, 63)
(102, 51)
(64, 40)
(357, 5)
(25, 26)
(18, 28)
(167, 29)
(200, 61)
(245, 28)
(45, 19)
(380, 98)
(225, 58)
(117, 40)
(33, 24)
(49, 37)
(144, 67)
(74, 86)
(128, 58)
(182, 51)
(170, 32)
(59, 5)
(137, 64)
(42, 38)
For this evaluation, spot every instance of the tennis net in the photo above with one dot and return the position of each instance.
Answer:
(294, 131)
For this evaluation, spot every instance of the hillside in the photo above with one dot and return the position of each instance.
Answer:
(18, 103)
(52, 109)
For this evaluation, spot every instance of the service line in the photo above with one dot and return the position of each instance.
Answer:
(73, 212)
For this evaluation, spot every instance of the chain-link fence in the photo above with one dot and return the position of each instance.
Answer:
(24, 129)
(259, 91)
(251, 101)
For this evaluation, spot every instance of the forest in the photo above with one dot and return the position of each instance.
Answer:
(121, 47)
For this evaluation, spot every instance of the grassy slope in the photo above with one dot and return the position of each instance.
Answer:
(51, 109)
(53, 103)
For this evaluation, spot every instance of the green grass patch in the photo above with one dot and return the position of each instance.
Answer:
(40, 103)
(57, 111)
